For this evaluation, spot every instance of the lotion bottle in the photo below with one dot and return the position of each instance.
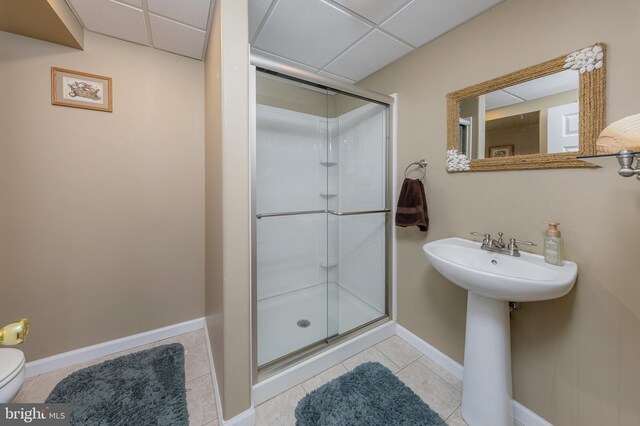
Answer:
(553, 245)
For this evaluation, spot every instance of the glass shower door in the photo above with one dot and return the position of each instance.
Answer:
(291, 225)
(358, 215)
(321, 219)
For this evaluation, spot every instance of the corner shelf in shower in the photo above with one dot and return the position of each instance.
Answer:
(332, 263)
(328, 163)
(325, 195)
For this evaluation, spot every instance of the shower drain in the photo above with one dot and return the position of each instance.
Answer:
(303, 323)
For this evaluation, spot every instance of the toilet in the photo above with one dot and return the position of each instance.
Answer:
(12, 373)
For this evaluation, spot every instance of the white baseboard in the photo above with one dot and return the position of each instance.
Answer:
(247, 417)
(527, 417)
(440, 358)
(520, 413)
(299, 373)
(87, 353)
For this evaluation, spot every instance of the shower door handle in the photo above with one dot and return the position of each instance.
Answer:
(295, 213)
(358, 213)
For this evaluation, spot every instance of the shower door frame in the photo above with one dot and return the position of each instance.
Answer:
(259, 63)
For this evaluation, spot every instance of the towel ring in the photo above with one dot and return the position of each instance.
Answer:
(422, 163)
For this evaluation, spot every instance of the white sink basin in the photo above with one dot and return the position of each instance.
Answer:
(492, 280)
(498, 276)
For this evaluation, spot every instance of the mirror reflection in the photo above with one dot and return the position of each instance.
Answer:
(535, 117)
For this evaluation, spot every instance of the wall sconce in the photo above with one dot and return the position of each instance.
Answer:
(15, 333)
(626, 159)
(621, 139)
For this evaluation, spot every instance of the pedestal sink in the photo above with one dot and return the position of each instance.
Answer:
(493, 279)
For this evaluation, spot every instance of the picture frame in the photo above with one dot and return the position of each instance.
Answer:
(501, 151)
(81, 90)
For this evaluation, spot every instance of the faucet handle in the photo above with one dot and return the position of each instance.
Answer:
(487, 237)
(513, 244)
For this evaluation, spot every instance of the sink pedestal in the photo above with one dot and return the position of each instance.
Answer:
(486, 395)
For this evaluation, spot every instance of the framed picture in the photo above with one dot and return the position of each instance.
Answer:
(81, 90)
(501, 151)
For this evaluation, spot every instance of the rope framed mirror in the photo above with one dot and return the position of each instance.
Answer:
(540, 117)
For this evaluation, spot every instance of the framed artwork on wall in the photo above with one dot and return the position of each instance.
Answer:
(501, 151)
(81, 90)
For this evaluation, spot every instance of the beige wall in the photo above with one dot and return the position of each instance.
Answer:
(541, 104)
(227, 275)
(576, 360)
(471, 108)
(280, 93)
(101, 214)
(520, 131)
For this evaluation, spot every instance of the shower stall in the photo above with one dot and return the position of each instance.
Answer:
(321, 217)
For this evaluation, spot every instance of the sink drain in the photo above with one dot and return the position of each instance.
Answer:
(303, 323)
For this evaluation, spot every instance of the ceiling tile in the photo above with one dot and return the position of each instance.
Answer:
(423, 20)
(367, 56)
(177, 38)
(374, 10)
(311, 32)
(546, 86)
(136, 3)
(190, 12)
(113, 19)
(257, 10)
(499, 99)
(336, 77)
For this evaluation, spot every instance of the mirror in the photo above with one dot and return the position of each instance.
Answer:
(539, 117)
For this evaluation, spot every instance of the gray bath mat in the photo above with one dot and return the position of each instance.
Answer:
(143, 388)
(369, 395)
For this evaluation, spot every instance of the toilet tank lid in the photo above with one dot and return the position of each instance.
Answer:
(10, 360)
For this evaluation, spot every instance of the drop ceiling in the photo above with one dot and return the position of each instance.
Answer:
(177, 26)
(351, 39)
(534, 89)
(343, 39)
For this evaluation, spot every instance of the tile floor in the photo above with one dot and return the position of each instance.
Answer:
(201, 401)
(438, 388)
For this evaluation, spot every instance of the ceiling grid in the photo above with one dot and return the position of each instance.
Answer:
(343, 39)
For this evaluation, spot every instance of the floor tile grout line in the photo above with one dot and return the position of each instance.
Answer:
(284, 391)
(438, 374)
(404, 341)
(208, 373)
(386, 357)
(406, 366)
(26, 391)
(453, 412)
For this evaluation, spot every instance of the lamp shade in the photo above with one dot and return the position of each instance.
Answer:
(622, 134)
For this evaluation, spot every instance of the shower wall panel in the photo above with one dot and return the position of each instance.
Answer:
(291, 249)
(362, 187)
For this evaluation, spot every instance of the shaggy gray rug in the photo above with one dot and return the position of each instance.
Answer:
(369, 395)
(143, 388)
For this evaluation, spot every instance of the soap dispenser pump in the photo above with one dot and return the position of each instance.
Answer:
(553, 245)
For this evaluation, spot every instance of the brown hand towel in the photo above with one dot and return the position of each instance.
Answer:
(412, 205)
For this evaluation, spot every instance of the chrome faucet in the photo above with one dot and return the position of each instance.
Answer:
(498, 246)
